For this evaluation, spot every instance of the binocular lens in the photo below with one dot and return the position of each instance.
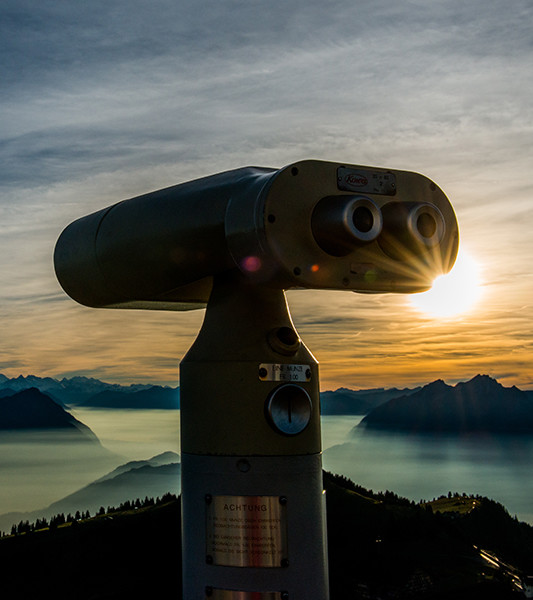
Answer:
(363, 219)
(426, 225)
(343, 223)
(410, 228)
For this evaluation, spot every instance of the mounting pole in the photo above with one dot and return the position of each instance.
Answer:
(253, 514)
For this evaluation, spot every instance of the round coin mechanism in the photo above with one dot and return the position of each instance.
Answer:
(289, 409)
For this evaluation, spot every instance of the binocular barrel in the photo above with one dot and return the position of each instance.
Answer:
(312, 224)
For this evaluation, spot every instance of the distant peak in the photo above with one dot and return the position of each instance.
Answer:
(165, 457)
(438, 384)
(482, 380)
(480, 377)
(31, 391)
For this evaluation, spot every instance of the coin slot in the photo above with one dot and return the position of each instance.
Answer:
(289, 409)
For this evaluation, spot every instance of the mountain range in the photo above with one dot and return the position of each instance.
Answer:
(90, 392)
(344, 401)
(479, 405)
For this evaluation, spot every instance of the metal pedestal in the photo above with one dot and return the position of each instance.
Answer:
(253, 509)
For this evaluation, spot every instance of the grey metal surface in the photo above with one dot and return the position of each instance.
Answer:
(297, 480)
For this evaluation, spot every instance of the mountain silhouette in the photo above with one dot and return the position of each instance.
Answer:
(165, 458)
(152, 397)
(81, 390)
(479, 405)
(344, 401)
(138, 482)
(32, 410)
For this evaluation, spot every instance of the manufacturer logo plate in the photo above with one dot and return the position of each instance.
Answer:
(371, 182)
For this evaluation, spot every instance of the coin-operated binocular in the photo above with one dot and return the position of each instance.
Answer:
(253, 521)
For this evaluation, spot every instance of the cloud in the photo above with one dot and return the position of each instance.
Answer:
(107, 87)
(104, 101)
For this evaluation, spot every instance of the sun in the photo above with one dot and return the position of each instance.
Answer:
(452, 294)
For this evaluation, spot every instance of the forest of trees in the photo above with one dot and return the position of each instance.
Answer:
(62, 519)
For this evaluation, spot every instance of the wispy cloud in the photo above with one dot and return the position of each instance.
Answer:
(104, 101)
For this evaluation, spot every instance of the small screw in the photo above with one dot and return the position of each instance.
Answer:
(308, 374)
(209, 559)
(284, 562)
(263, 372)
(283, 500)
(208, 591)
(297, 271)
(208, 498)
(284, 595)
(243, 465)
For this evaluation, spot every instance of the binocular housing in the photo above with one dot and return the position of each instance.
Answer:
(312, 224)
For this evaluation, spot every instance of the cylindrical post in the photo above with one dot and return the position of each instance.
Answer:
(253, 517)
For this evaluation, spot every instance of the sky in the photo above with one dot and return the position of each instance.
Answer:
(102, 101)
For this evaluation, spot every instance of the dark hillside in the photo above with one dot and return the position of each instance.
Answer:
(383, 546)
(127, 556)
(380, 546)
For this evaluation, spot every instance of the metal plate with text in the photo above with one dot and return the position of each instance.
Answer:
(217, 594)
(284, 372)
(246, 531)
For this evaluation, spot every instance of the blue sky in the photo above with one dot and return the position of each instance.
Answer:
(102, 101)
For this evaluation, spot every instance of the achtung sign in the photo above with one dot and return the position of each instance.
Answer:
(247, 531)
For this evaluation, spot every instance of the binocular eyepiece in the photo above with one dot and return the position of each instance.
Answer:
(312, 224)
(341, 224)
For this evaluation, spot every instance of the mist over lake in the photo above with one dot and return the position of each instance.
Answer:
(38, 467)
(133, 433)
(36, 470)
(424, 466)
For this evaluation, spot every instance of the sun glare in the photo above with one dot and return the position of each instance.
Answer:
(454, 293)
